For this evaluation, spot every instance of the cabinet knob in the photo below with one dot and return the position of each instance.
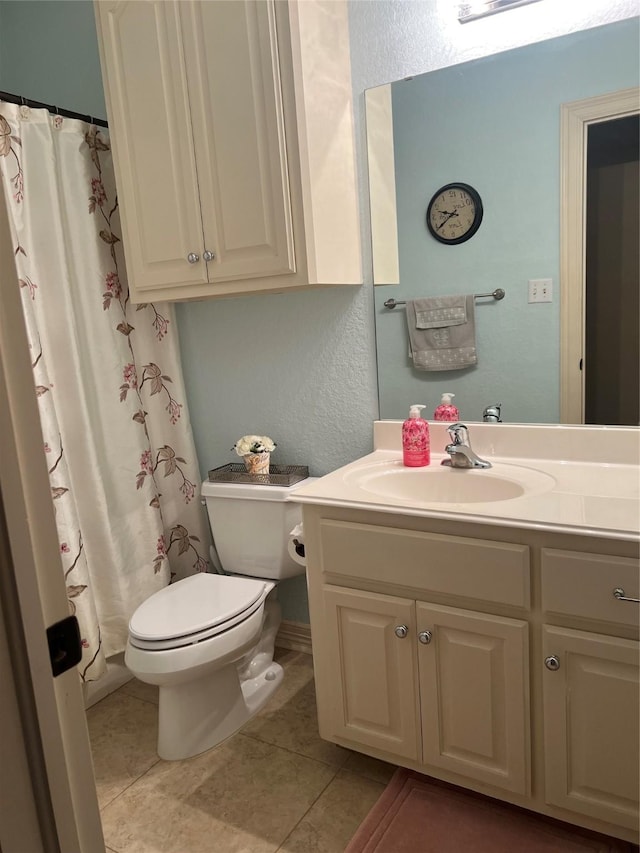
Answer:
(207, 255)
(425, 637)
(193, 258)
(552, 663)
(401, 631)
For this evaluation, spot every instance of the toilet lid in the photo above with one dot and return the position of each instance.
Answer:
(195, 605)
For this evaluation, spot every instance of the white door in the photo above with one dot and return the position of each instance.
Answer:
(46, 768)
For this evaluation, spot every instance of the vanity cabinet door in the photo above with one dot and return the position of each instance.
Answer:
(591, 724)
(371, 652)
(474, 695)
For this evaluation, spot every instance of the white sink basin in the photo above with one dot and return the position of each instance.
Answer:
(436, 484)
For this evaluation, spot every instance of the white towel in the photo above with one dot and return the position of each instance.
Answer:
(442, 332)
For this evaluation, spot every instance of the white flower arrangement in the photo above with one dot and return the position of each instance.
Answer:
(254, 444)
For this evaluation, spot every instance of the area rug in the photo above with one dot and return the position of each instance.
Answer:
(416, 814)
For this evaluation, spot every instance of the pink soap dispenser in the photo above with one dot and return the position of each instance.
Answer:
(416, 448)
(446, 411)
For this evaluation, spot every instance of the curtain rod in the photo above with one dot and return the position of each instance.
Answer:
(27, 102)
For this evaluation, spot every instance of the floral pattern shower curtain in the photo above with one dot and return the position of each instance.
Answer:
(117, 437)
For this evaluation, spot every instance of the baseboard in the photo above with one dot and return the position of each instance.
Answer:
(116, 675)
(295, 636)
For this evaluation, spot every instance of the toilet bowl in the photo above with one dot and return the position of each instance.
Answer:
(207, 641)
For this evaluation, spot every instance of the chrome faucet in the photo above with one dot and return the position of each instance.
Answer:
(491, 414)
(462, 456)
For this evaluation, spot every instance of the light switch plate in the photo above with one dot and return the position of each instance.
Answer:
(540, 290)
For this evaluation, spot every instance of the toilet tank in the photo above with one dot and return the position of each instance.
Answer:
(251, 525)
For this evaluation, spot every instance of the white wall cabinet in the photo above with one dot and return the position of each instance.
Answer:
(493, 658)
(232, 135)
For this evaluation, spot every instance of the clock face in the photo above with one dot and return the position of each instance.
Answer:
(454, 213)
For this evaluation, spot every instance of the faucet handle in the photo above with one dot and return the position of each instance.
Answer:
(459, 434)
(492, 414)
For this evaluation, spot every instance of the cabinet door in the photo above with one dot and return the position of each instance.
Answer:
(474, 695)
(373, 697)
(151, 135)
(591, 724)
(232, 61)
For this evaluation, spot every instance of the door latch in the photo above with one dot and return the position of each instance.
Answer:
(65, 646)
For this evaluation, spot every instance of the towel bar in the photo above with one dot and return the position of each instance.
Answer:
(497, 294)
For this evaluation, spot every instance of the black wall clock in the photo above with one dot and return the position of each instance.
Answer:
(454, 213)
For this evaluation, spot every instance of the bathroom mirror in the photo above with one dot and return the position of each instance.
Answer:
(494, 124)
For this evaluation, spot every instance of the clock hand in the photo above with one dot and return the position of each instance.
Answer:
(444, 221)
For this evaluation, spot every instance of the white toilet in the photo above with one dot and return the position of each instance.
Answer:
(208, 640)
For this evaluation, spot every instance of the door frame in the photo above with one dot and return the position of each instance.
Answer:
(51, 754)
(575, 118)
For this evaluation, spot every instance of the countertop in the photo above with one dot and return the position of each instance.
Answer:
(588, 496)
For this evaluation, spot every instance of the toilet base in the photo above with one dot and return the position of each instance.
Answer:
(199, 715)
(196, 715)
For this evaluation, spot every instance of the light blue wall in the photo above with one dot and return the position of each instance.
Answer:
(49, 53)
(493, 123)
(299, 367)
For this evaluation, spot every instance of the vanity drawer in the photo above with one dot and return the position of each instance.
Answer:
(578, 584)
(428, 562)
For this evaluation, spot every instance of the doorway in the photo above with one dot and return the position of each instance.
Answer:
(611, 353)
(582, 354)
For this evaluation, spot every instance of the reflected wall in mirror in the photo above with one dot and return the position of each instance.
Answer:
(493, 123)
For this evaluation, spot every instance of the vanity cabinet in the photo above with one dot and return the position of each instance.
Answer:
(493, 658)
(444, 686)
(232, 136)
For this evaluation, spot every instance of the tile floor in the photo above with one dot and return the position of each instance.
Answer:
(274, 786)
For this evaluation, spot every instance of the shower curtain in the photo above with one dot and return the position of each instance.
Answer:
(117, 438)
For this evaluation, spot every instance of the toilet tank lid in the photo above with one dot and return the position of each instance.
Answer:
(249, 491)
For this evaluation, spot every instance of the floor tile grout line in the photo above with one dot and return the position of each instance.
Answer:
(292, 751)
(360, 774)
(293, 829)
(130, 785)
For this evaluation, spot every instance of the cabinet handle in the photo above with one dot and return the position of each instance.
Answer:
(425, 637)
(401, 631)
(552, 663)
(207, 255)
(193, 258)
(618, 593)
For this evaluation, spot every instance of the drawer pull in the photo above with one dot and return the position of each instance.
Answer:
(425, 637)
(401, 631)
(193, 257)
(552, 663)
(618, 593)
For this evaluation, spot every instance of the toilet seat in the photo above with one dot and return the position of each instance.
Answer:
(195, 609)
